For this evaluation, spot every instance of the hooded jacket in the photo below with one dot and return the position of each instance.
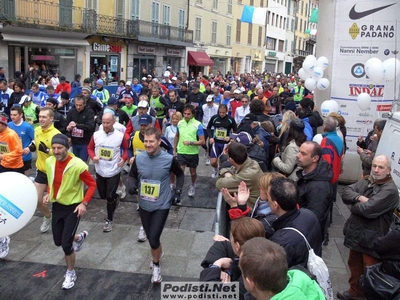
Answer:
(300, 287)
(315, 191)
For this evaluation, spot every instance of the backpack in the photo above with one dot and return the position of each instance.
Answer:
(318, 268)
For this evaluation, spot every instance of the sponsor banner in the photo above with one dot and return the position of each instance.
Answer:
(363, 29)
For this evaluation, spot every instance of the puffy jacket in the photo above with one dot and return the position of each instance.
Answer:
(387, 248)
(287, 162)
(315, 120)
(315, 190)
(249, 172)
(296, 249)
(300, 287)
(371, 219)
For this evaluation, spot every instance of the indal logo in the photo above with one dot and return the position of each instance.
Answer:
(372, 90)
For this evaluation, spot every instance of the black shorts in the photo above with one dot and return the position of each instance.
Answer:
(27, 165)
(41, 177)
(189, 160)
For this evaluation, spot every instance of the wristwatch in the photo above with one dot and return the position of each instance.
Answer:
(85, 203)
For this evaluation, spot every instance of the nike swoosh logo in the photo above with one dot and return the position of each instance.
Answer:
(354, 15)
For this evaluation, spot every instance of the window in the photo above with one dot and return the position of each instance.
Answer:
(306, 9)
(166, 14)
(120, 8)
(91, 4)
(135, 10)
(280, 45)
(215, 5)
(292, 47)
(214, 32)
(286, 23)
(273, 19)
(228, 34)
(181, 23)
(250, 35)
(292, 25)
(301, 25)
(238, 30)
(260, 36)
(229, 7)
(271, 43)
(280, 22)
(269, 18)
(197, 35)
(305, 24)
(155, 16)
(286, 45)
(251, 2)
(302, 8)
(261, 3)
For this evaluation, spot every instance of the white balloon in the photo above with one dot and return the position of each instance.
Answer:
(312, 59)
(323, 84)
(322, 62)
(374, 69)
(329, 106)
(308, 66)
(317, 138)
(364, 101)
(303, 74)
(310, 84)
(318, 73)
(18, 201)
(391, 69)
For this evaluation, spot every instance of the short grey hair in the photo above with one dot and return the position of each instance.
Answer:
(330, 124)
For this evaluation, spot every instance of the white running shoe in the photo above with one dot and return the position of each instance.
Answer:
(123, 191)
(79, 243)
(191, 191)
(156, 278)
(208, 162)
(137, 206)
(69, 281)
(142, 235)
(108, 226)
(45, 225)
(214, 174)
(172, 186)
(151, 266)
(4, 246)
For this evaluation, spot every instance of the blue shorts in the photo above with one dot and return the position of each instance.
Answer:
(217, 149)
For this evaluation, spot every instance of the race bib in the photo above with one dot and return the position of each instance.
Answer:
(106, 153)
(4, 148)
(171, 112)
(221, 133)
(76, 132)
(195, 104)
(150, 189)
(273, 110)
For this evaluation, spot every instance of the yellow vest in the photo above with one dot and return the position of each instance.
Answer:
(137, 144)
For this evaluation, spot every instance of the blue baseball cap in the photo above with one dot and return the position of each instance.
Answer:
(112, 101)
(145, 120)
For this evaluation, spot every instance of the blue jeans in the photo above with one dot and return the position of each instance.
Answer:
(81, 152)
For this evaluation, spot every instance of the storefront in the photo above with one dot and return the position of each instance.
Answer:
(270, 65)
(197, 61)
(154, 60)
(47, 54)
(107, 57)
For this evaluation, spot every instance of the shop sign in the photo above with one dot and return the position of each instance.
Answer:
(106, 47)
(173, 52)
(271, 53)
(146, 50)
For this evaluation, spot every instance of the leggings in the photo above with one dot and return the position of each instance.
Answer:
(107, 187)
(153, 223)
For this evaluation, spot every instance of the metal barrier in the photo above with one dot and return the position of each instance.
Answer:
(220, 225)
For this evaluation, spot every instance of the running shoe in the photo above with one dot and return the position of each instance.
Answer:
(214, 174)
(108, 226)
(69, 281)
(4, 246)
(172, 186)
(151, 266)
(156, 278)
(208, 162)
(79, 243)
(137, 206)
(191, 191)
(45, 225)
(142, 235)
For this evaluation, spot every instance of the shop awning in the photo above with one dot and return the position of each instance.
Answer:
(199, 59)
(44, 40)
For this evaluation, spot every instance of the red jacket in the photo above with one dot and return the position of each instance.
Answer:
(63, 87)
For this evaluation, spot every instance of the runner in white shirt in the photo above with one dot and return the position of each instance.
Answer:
(209, 109)
(242, 110)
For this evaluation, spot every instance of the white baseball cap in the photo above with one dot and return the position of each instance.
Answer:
(143, 103)
(210, 98)
(128, 83)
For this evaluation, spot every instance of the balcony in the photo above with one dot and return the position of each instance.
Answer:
(41, 14)
(303, 53)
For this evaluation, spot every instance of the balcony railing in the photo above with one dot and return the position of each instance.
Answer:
(65, 17)
(304, 53)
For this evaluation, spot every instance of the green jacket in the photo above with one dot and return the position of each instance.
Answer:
(300, 287)
(71, 188)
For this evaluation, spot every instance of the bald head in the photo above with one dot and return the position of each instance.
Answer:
(108, 121)
(381, 167)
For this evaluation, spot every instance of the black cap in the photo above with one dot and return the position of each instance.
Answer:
(64, 95)
(52, 101)
(62, 78)
(297, 124)
(250, 118)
